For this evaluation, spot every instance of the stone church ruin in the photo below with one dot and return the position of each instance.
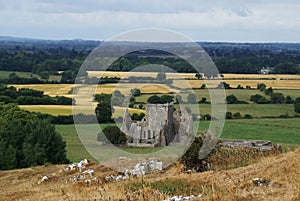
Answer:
(161, 126)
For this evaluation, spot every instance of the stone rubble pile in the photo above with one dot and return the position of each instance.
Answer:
(180, 197)
(139, 169)
(87, 175)
(261, 182)
(44, 178)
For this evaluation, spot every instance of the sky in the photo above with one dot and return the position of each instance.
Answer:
(213, 20)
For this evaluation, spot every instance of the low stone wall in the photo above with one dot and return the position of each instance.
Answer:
(253, 144)
(140, 145)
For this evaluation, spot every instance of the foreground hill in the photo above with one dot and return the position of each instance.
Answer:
(236, 184)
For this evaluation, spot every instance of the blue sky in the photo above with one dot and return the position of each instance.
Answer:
(237, 21)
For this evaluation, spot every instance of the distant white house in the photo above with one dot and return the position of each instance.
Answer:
(267, 70)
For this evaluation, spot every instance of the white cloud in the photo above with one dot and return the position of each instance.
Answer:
(101, 19)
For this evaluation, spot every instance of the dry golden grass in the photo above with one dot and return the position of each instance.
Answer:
(49, 109)
(125, 88)
(138, 74)
(247, 76)
(49, 89)
(67, 109)
(235, 184)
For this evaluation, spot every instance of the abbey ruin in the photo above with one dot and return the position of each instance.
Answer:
(161, 126)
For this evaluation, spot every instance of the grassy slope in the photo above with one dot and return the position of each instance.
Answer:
(234, 184)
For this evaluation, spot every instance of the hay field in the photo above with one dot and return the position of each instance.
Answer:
(137, 74)
(119, 111)
(65, 89)
(257, 76)
(49, 89)
(125, 88)
(56, 110)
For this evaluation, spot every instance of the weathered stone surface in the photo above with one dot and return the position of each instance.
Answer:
(253, 144)
(160, 126)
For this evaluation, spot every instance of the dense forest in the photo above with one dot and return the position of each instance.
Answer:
(68, 56)
(26, 140)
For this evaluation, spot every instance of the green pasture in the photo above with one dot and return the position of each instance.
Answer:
(283, 131)
(241, 94)
(5, 74)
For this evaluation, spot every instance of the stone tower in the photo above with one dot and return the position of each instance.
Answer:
(126, 121)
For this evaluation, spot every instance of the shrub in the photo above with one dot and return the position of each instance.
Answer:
(112, 134)
(231, 99)
(277, 98)
(248, 116)
(261, 86)
(259, 99)
(237, 115)
(297, 105)
(154, 99)
(289, 100)
(228, 115)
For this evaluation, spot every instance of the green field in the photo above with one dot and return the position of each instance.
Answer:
(283, 131)
(241, 94)
(5, 74)
(256, 110)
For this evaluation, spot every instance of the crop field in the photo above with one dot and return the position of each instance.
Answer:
(56, 110)
(138, 74)
(258, 76)
(66, 89)
(276, 84)
(256, 110)
(125, 88)
(185, 75)
(283, 131)
(241, 94)
(49, 89)
(5, 74)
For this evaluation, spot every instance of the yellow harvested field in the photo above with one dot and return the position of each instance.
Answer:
(64, 89)
(49, 89)
(256, 76)
(138, 74)
(125, 88)
(119, 111)
(56, 110)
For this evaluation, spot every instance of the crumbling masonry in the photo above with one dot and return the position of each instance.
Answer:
(160, 126)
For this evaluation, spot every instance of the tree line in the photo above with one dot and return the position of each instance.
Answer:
(227, 59)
